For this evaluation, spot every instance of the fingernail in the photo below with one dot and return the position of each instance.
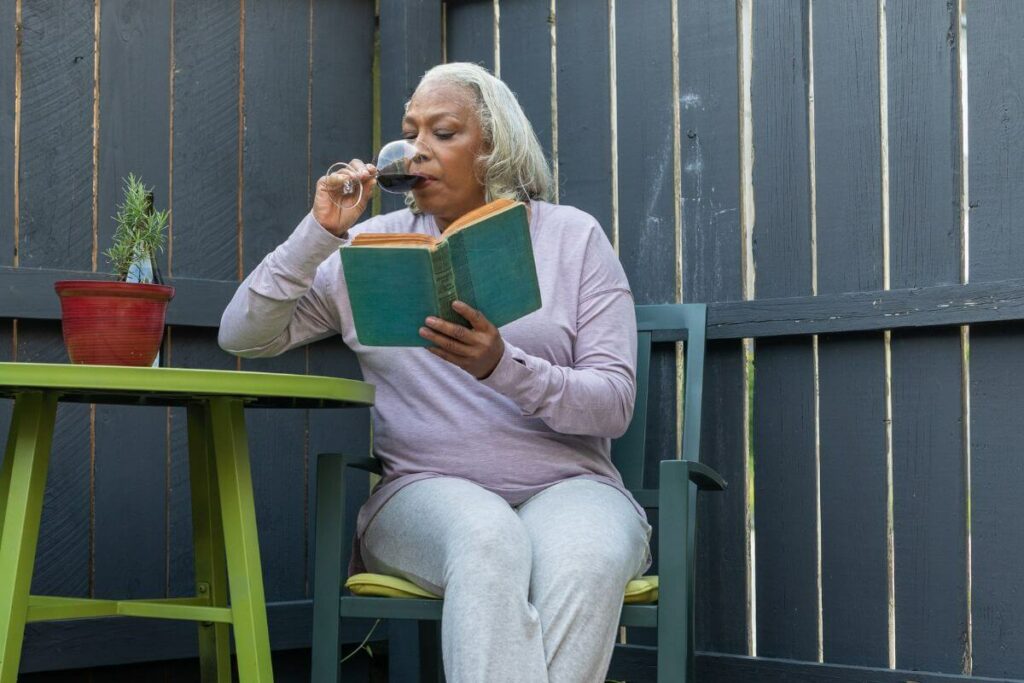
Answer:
(431, 320)
(423, 332)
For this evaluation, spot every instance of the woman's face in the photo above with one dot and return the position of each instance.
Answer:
(442, 120)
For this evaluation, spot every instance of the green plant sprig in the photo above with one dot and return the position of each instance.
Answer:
(139, 233)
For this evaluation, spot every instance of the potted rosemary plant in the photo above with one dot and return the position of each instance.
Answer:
(121, 322)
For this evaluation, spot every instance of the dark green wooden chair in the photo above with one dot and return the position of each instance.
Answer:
(670, 605)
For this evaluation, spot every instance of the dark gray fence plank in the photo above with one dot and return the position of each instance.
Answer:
(342, 116)
(338, 431)
(348, 56)
(131, 443)
(853, 478)
(721, 563)
(204, 225)
(783, 423)
(647, 246)
(929, 501)
(711, 245)
(525, 46)
(189, 347)
(854, 558)
(997, 242)
(469, 33)
(56, 136)
(275, 180)
(584, 109)
(712, 242)
(8, 40)
(928, 462)
(63, 553)
(403, 62)
(56, 232)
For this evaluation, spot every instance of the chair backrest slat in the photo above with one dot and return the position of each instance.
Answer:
(657, 324)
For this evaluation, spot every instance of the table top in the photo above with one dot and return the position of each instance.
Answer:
(179, 386)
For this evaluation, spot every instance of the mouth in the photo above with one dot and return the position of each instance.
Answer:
(424, 181)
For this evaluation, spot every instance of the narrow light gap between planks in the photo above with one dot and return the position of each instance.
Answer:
(815, 361)
(744, 20)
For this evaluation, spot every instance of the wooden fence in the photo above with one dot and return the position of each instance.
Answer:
(842, 180)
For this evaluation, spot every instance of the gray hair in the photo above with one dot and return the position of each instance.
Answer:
(513, 166)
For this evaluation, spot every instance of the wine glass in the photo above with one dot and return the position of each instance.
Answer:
(394, 173)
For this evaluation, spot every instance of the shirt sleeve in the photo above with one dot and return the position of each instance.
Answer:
(595, 396)
(285, 301)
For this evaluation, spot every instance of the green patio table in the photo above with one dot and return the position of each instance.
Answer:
(229, 583)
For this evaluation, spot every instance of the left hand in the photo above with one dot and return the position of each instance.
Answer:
(476, 350)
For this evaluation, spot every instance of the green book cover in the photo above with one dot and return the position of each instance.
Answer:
(488, 264)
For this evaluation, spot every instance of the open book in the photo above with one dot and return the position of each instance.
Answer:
(396, 280)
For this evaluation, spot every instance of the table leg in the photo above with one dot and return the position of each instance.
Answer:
(208, 546)
(22, 482)
(234, 484)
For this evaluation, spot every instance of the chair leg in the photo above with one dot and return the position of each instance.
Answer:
(327, 577)
(22, 483)
(431, 660)
(208, 544)
(674, 640)
(238, 510)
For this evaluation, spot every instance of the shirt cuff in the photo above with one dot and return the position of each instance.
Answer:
(308, 246)
(511, 377)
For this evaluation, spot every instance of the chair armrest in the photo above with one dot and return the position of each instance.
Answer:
(366, 463)
(705, 478)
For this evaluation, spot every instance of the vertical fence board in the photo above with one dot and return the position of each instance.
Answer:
(997, 246)
(929, 488)
(62, 555)
(342, 116)
(584, 109)
(205, 163)
(712, 242)
(190, 347)
(275, 181)
(646, 209)
(339, 431)
(56, 136)
(403, 62)
(469, 34)
(721, 569)
(853, 484)
(204, 234)
(8, 41)
(341, 81)
(131, 441)
(783, 420)
(525, 46)
(712, 248)
(647, 243)
(56, 232)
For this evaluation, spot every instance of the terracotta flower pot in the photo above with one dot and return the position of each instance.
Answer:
(112, 323)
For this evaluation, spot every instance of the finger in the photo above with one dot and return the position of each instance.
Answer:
(449, 329)
(475, 317)
(445, 342)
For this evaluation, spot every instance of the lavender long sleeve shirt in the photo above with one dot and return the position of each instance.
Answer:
(563, 388)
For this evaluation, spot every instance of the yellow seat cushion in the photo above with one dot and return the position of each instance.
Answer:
(638, 591)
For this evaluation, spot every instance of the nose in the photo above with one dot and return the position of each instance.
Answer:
(423, 151)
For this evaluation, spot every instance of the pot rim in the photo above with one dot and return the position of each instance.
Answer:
(125, 290)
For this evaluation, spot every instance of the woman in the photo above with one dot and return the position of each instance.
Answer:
(498, 488)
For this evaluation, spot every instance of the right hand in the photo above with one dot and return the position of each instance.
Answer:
(332, 217)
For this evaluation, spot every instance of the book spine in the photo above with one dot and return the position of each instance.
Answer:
(444, 283)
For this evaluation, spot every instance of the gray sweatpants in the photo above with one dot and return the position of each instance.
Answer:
(532, 594)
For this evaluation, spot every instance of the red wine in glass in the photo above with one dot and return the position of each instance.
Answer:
(394, 173)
